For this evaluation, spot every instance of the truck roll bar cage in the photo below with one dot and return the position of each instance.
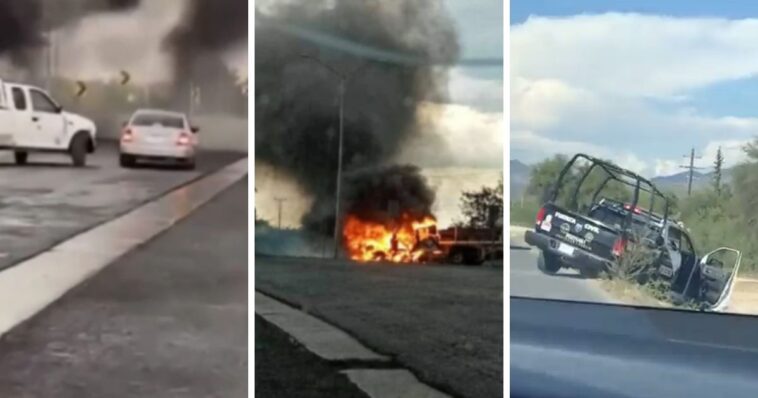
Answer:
(614, 173)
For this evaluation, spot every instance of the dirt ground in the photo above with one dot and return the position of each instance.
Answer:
(745, 297)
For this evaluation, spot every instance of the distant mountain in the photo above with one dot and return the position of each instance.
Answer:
(678, 182)
(519, 177)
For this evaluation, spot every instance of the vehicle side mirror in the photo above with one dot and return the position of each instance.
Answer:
(58, 109)
(659, 241)
(195, 129)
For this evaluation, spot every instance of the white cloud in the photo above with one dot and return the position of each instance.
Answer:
(543, 103)
(483, 94)
(456, 135)
(633, 54)
(620, 86)
(537, 147)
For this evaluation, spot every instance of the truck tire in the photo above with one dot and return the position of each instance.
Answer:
(78, 150)
(21, 157)
(127, 161)
(548, 263)
(456, 256)
(473, 257)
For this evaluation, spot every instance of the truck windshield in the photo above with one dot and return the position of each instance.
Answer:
(152, 119)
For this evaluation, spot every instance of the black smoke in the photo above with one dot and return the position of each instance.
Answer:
(197, 45)
(296, 99)
(23, 23)
(372, 193)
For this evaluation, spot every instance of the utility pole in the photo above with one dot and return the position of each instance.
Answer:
(691, 169)
(279, 211)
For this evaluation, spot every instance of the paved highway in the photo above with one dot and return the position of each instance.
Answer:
(168, 319)
(528, 281)
(48, 200)
(443, 322)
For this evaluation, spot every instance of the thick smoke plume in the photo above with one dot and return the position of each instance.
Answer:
(296, 98)
(23, 23)
(209, 28)
(369, 191)
(197, 44)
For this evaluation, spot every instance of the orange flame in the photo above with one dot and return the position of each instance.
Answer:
(397, 242)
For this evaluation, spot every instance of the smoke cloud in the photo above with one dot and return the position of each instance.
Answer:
(24, 22)
(198, 44)
(370, 191)
(297, 117)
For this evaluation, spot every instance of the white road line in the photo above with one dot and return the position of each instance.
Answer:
(29, 287)
(391, 383)
(316, 335)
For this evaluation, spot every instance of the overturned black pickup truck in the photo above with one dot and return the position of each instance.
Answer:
(597, 235)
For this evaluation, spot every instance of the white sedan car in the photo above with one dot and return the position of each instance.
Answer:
(158, 135)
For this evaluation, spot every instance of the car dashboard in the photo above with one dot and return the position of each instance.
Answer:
(573, 349)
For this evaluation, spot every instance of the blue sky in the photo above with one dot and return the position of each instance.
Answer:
(521, 9)
(639, 82)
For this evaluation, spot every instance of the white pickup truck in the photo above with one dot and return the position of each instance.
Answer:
(31, 121)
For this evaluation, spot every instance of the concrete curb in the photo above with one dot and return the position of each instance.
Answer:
(317, 336)
(391, 383)
(333, 344)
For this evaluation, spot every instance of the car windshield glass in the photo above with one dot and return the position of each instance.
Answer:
(608, 182)
(157, 119)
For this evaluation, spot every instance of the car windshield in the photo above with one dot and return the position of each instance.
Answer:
(614, 198)
(158, 119)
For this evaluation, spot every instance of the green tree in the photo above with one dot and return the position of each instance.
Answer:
(544, 174)
(479, 207)
(717, 165)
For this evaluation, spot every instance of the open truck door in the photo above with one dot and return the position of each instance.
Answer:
(718, 275)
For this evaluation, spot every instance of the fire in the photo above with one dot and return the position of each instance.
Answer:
(396, 241)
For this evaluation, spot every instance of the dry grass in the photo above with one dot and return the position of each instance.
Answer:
(629, 292)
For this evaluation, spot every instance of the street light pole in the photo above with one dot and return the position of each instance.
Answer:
(339, 171)
(343, 80)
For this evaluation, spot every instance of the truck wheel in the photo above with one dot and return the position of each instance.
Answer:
(548, 263)
(21, 157)
(473, 257)
(456, 257)
(79, 150)
(127, 161)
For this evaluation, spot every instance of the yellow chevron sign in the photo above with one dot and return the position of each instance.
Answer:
(125, 77)
(81, 89)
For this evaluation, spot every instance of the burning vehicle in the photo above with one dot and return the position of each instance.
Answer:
(408, 240)
(607, 235)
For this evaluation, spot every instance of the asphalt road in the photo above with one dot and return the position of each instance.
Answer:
(444, 323)
(528, 281)
(286, 369)
(48, 200)
(168, 319)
